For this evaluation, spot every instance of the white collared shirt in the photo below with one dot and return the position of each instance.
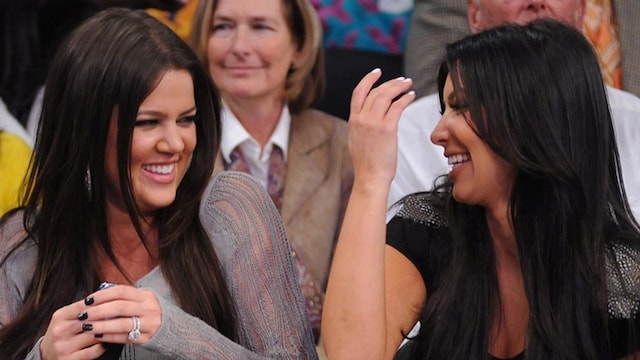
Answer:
(234, 134)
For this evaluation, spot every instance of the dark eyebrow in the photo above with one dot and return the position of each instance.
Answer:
(160, 114)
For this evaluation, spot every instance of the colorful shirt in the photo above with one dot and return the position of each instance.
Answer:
(179, 21)
(374, 25)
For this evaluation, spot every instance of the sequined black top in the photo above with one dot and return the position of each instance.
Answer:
(420, 233)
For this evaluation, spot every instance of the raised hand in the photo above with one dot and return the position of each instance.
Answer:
(373, 126)
(354, 318)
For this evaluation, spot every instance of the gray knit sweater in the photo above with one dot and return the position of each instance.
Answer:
(249, 238)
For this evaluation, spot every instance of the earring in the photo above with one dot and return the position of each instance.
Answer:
(87, 182)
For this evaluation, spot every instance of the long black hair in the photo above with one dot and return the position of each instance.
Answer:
(111, 63)
(535, 95)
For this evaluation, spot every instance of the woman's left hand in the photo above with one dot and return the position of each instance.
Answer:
(118, 311)
(373, 127)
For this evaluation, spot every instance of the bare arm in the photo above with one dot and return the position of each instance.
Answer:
(354, 323)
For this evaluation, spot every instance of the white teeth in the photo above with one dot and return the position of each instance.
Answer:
(160, 169)
(457, 159)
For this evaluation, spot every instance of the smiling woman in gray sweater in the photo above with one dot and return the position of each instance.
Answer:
(120, 192)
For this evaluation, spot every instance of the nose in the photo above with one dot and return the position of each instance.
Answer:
(240, 45)
(440, 133)
(171, 141)
(537, 4)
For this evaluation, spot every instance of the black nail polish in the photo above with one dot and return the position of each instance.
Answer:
(83, 316)
(87, 327)
(98, 336)
(88, 301)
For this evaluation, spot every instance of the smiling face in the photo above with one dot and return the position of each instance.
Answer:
(164, 137)
(485, 14)
(250, 48)
(479, 175)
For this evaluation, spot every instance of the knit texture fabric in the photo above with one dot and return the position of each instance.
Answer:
(249, 238)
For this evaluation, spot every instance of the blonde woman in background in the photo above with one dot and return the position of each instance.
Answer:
(265, 57)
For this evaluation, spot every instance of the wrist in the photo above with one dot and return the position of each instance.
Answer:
(371, 188)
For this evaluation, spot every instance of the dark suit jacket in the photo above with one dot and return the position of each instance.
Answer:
(437, 22)
(627, 13)
(434, 24)
(317, 186)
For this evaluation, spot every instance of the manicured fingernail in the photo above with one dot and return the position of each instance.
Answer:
(376, 70)
(83, 316)
(89, 300)
(407, 80)
(98, 336)
(87, 327)
(401, 78)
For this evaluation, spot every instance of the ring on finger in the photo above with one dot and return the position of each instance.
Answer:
(134, 334)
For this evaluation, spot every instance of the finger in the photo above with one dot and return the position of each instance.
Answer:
(92, 352)
(67, 346)
(111, 293)
(67, 322)
(398, 106)
(123, 301)
(113, 309)
(127, 296)
(385, 95)
(123, 330)
(360, 92)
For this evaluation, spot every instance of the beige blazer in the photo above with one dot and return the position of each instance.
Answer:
(317, 186)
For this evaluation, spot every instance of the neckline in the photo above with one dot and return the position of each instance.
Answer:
(517, 357)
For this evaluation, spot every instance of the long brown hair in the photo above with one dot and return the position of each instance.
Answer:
(113, 61)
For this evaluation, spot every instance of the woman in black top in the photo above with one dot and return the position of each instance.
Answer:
(527, 249)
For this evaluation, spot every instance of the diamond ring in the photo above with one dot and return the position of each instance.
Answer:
(134, 334)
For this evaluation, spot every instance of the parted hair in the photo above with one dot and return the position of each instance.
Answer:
(535, 95)
(306, 81)
(108, 65)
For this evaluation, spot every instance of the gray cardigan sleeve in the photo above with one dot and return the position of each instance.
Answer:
(249, 238)
(15, 272)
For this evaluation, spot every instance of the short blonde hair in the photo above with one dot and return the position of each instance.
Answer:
(306, 81)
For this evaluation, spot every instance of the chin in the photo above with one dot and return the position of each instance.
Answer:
(461, 197)
(157, 203)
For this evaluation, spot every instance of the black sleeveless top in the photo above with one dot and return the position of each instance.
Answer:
(420, 233)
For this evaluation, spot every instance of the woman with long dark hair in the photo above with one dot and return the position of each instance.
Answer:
(527, 249)
(120, 194)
